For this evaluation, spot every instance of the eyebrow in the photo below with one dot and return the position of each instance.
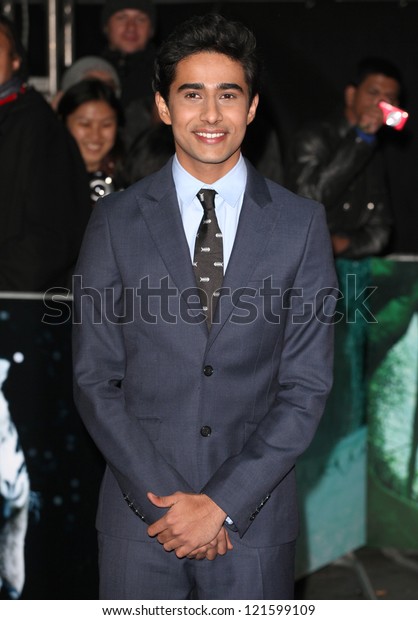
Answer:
(201, 86)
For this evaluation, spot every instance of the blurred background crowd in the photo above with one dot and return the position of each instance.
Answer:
(84, 125)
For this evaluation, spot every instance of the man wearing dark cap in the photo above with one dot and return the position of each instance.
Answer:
(129, 26)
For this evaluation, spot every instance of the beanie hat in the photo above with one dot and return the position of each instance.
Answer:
(113, 6)
(81, 68)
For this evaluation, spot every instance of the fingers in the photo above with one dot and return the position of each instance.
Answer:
(192, 521)
(161, 501)
(211, 554)
(229, 544)
(221, 546)
(218, 546)
(158, 527)
(199, 554)
(371, 120)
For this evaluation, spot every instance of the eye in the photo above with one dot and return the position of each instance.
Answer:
(192, 95)
(228, 96)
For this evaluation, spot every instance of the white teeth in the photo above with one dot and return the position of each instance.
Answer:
(210, 135)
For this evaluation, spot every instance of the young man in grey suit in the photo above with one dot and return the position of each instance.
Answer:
(204, 298)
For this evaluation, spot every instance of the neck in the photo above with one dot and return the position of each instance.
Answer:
(206, 172)
(350, 116)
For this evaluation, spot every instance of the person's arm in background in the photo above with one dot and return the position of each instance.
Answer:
(50, 194)
(322, 166)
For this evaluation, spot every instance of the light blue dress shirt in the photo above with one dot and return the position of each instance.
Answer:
(228, 202)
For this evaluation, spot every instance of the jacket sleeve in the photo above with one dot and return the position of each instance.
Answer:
(99, 362)
(244, 482)
(323, 166)
(373, 238)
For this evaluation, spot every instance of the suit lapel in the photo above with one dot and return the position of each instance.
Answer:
(254, 229)
(161, 212)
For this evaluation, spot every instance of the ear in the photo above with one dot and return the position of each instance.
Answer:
(16, 62)
(349, 94)
(163, 109)
(252, 109)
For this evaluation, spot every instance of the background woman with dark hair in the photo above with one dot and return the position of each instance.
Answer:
(93, 115)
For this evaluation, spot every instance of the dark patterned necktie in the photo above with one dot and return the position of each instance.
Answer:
(208, 255)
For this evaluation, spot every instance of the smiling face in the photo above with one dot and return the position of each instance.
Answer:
(209, 109)
(129, 30)
(94, 127)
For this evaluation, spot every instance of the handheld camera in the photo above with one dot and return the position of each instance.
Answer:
(393, 116)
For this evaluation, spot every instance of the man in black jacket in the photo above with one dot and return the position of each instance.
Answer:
(339, 163)
(129, 27)
(44, 198)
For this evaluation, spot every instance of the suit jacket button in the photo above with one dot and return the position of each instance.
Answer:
(206, 431)
(208, 371)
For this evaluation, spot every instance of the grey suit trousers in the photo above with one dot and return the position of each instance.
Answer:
(136, 570)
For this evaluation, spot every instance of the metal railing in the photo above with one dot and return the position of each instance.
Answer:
(58, 12)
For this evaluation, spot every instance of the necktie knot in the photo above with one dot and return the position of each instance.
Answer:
(207, 199)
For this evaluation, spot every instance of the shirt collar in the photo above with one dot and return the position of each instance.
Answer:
(230, 187)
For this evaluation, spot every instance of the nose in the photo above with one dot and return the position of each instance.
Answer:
(131, 23)
(95, 132)
(211, 112)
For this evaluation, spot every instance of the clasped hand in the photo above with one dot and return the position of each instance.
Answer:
(371, 120)
(192, 526)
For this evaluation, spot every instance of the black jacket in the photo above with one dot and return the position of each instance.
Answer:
(44, 197)
(331, 163)
(135, 72)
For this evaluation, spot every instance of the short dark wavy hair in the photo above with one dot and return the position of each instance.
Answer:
(374, 65)
(207, 33)
(86, 90)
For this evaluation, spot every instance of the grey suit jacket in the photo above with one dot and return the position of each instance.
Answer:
(172, 407)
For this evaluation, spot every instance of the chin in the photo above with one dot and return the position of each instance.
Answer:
(131, 48)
